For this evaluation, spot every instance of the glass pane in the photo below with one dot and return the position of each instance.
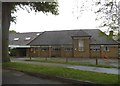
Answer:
(81, 45)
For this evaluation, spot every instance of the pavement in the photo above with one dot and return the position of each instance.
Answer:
(16, 77)
(86, 68)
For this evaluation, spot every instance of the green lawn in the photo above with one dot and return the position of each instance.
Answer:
(74, 63)
(65, 72)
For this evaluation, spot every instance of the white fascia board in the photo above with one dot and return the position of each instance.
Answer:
(34, 46)
(19, 46)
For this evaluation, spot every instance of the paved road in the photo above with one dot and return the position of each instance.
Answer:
(87, 68)
(15, 77)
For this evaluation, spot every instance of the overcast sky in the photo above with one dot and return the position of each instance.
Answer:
(66, 20)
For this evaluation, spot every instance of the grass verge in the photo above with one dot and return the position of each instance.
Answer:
(99, 78)
(74, 63)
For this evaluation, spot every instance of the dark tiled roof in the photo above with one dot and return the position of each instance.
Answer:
(58, 37)
(98, 37)
(22, 37)
(61, 37)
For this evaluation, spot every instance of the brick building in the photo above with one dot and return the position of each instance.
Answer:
(86, 43)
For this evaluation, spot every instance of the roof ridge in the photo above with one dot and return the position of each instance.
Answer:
(62, 30)
(70, 30)
(35, 38)
(86, 33)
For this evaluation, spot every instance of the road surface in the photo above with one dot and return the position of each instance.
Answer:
(16, 77)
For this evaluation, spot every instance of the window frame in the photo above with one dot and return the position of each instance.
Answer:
(81, 48)
(68, 49)
(106, 49)
(95, 48)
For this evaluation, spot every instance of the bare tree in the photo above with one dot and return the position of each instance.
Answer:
(105, 10)
(108, 12)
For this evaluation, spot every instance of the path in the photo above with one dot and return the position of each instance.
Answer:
(87, 68)
(97, 69)
(112, 62)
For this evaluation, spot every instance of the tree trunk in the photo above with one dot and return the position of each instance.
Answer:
(0, 33)
(6, 15)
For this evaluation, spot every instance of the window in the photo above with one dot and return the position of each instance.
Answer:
(44, 48)
(36, 48)
(106, 48)
(56, 49)
(81, 45)
(16, 39)
(68, 49)
(31, 49)
(95, 48)
(27, 38)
